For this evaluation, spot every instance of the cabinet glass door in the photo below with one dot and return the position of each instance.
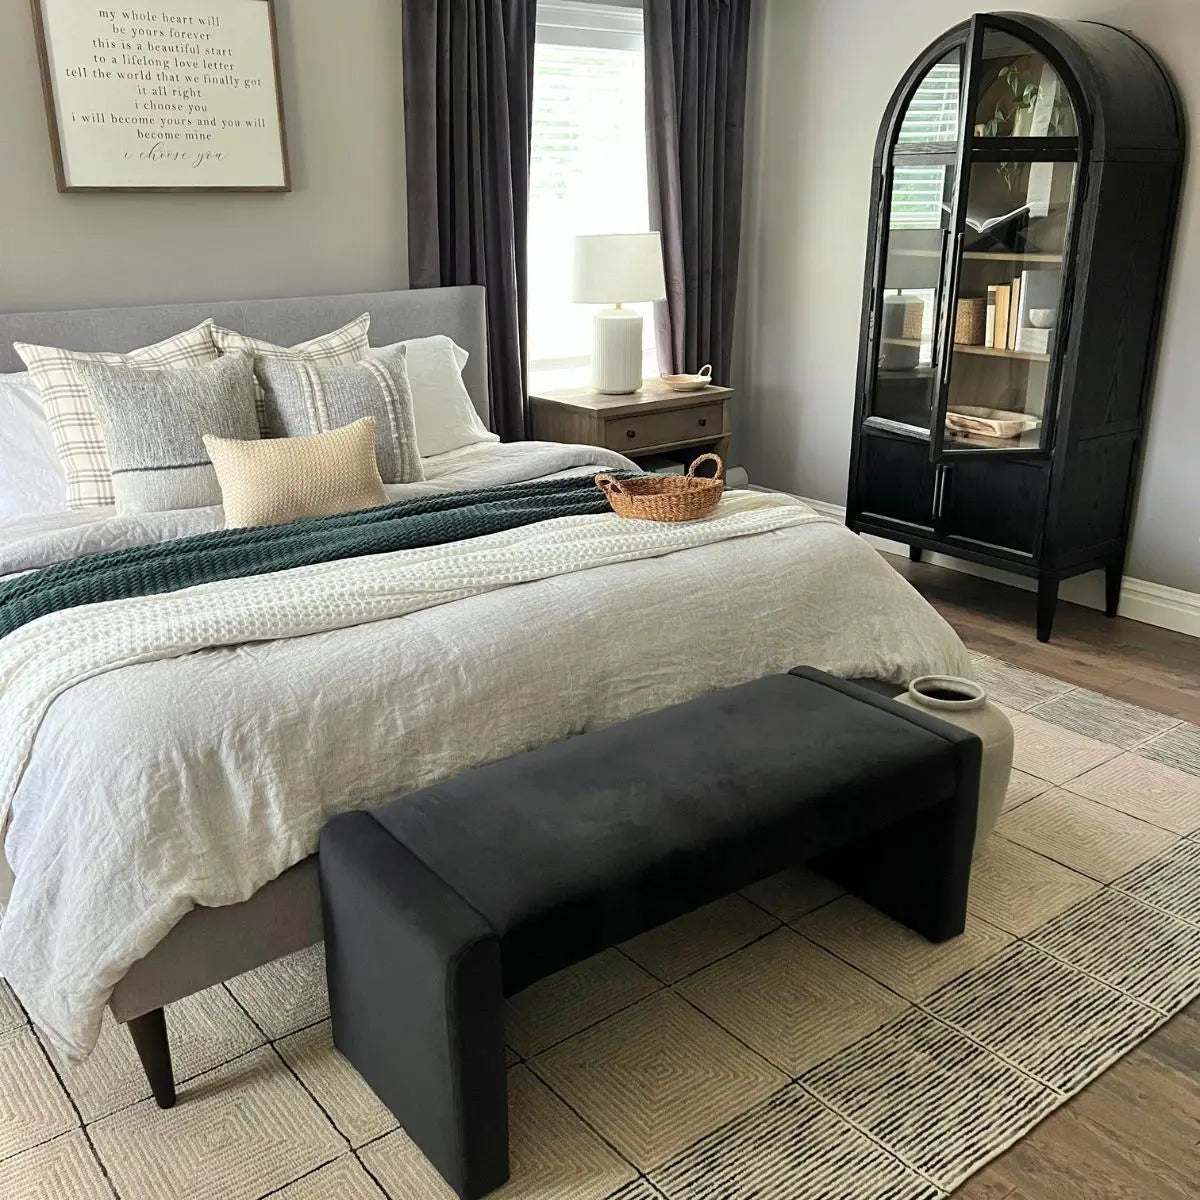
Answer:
(918, 216)
(1018, 94)
(1012, 232)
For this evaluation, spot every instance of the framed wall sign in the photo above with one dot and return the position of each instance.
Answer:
(163, 95)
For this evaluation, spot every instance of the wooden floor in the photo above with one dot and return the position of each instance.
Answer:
(1134, 1134)
(1140, 663)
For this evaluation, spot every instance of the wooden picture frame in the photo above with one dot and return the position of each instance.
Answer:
(195, 105)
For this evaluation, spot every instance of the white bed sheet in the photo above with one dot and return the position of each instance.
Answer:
(31, 477)
(39, 539)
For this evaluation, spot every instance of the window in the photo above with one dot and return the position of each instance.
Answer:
(588, 166)
(932, 116)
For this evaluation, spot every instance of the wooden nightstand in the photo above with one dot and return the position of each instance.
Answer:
(653, 420)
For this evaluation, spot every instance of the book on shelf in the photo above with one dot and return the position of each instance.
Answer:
(1014, 311)
(1000, 330)
(989, 326)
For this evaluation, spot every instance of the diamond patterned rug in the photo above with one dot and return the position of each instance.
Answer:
(785, 1041)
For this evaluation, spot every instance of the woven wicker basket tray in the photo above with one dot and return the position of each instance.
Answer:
(666, 497)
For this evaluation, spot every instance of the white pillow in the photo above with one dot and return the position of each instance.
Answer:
(31, 476)
(442, 410)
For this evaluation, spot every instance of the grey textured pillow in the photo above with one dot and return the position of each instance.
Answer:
(154, 424)
(305, 397)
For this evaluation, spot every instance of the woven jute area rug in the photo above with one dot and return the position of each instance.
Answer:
(785, 1042)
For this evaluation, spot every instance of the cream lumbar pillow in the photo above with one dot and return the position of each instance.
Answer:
(74, 426)
(283, 479)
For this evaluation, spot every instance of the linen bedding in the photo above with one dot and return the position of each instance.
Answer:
(184, 749)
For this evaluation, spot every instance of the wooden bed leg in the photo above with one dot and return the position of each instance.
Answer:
(149, 1033)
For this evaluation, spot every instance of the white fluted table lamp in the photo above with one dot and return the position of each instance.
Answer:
(618, 268)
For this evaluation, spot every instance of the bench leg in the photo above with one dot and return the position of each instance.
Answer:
(149, 1033)
(416, 999)
(917, 871)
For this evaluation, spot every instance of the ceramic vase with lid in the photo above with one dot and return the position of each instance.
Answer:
(964, 703)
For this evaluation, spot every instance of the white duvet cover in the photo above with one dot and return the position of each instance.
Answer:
(155, 762)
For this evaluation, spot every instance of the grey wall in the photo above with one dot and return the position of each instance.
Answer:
(824, 72)
(341, 229)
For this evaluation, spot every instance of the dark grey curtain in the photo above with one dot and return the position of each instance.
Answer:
(696, 52)
(468, 89)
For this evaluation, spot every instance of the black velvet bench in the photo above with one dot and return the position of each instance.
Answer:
(443, 902)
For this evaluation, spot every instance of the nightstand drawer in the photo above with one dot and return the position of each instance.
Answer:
(663, 428)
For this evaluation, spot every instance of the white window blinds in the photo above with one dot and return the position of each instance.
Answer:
(588, 162)
(932, 116)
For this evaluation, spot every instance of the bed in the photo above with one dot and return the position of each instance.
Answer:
(184, 858)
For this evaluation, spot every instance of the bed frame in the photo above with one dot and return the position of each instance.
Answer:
(211, 945)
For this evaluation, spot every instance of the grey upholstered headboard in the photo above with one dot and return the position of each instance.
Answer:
(455, 311)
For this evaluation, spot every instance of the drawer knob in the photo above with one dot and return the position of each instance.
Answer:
(631, 433)
(702, 422)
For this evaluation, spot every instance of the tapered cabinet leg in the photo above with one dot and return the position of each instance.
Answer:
(1047, 602)
(914, 554)
(1113, 574)
(149, 1033)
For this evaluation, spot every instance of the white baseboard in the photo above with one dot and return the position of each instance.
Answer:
(1141, 600)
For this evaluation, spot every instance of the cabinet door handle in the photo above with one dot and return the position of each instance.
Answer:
(941, 281)
(939, 492)
(702, 422)
(952, 304)
(631, 433)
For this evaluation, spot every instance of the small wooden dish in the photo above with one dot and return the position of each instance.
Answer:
(689, 383)
(666, 497)
(992, 422)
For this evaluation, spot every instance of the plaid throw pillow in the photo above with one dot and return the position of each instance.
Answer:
(78, 436)
(338, 347)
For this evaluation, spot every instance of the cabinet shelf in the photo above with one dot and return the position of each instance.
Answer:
(986, 351)
(996, 352)
(907, 149)
(915, 426)
(1029, 440)
(1030, 256)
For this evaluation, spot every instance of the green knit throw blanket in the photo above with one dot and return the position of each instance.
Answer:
(237, 553)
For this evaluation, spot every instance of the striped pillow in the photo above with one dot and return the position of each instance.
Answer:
(303, 398)
(74, 426)
(345, 345)
(155, 422)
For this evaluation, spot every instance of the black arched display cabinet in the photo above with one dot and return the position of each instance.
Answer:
(1026, 182)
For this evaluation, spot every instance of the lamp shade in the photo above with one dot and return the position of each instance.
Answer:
(618, 268)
